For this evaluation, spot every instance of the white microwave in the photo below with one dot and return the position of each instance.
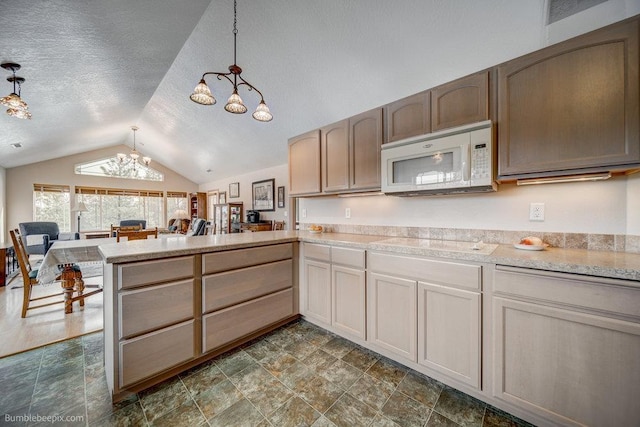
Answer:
(458, 160)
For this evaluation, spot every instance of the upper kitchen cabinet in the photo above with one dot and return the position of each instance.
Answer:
(365, 141)
(304, 164)
(571, 108)
(407, 117)
(335, 156)
(460, 102)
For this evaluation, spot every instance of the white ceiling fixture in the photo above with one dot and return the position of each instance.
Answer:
(202, 94)
(134, 156)
(16, 105)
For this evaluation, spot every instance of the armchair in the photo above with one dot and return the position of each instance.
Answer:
(43, 235)
(197, 228)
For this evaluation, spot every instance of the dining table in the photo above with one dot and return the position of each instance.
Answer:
(83, 252)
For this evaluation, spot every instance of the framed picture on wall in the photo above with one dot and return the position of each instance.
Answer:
(222, 198)
(281, 197)
(234, 190)
(263, 195)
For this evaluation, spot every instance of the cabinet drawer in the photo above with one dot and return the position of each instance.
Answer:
(233, 287)
(155, 352)
(349, 257)
(224, 326)
(439, 272)
(150, 308)
(608, 295)
(315, 251)
(231, 260)
(150, 272)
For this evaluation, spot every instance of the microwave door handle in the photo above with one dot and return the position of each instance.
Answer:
(466, 165)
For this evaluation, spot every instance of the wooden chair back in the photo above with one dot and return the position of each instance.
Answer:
(116, 228)
(278, 225)
(136, 234)
(21, 253)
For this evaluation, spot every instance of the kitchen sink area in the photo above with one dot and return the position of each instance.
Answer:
(441, 245)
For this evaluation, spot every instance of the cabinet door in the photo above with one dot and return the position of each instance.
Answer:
(304, 164)
(460, 102)
(573, 106)
(335, 156)
(407, 117)
(348, 290)
(365, 137)
(572, 366)
(391, 314)
(449, 332)
(317, 295)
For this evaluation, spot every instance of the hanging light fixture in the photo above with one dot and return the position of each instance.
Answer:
(16, 106)
(134, 156)
(202, 94)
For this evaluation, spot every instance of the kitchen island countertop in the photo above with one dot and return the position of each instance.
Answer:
(615, 265)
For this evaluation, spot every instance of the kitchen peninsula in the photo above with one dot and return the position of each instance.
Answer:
(489, 320)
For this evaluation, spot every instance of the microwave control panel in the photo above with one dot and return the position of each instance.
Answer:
(480, 161)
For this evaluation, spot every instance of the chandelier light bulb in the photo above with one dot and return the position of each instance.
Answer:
(262, 113)
(202, 94)
(235, 105)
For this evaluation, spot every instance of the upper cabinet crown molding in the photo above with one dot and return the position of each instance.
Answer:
(572, 107)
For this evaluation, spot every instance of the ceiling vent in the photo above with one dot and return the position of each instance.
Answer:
(16, 145)
(560, 9)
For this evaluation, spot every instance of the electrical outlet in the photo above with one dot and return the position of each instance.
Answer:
(304, 213)
(536, 212)
(347, 212)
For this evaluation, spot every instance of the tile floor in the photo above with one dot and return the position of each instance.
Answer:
(298, 375)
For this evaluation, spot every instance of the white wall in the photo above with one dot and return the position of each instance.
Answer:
(607, 207)
(279, 173)
(20, 180)
(3, 204)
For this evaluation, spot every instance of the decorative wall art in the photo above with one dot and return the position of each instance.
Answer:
(263, 195)
(234, 190)
(281, 197)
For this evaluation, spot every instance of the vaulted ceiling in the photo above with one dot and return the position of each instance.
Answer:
(93, 68)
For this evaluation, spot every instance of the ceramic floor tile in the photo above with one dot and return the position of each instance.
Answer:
(421, 388)
(319, 360)
(261, 349)
(323, 422)
(217, 398)
(461, 408)
(163, 398)
(350, 412)
(187, 414)
(380, 421)
(300, 349)
(321, 393)
(203, 380)
(294, 413)
(263, 390)
(297, 376)
(342, 374)
(234, 362)
(405, 411)
(361, 358)
(240, 414)
(338, 347)
(388, 371)
(276, 363)
(372, 391)
(131, 415)
(437, 420)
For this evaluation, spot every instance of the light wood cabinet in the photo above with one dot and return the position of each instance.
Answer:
(563, 350)
(392, 314)
(335, 156)
(348, 291)
(460, 102)
(304, 164)
(198, 206)
(573, 107)
(449, 331)
(365, 141)
(407, 117)
(317, 295)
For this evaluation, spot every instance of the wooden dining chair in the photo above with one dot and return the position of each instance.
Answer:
(137, 234)
(70, 279)
(278, 225)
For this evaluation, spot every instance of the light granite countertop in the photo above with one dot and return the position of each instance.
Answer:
(617, 265)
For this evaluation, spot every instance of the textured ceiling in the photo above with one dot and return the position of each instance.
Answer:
(94, 68)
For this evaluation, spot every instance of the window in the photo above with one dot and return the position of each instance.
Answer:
(52, 203)
(177, 204)
(111, 167)
(107, 206)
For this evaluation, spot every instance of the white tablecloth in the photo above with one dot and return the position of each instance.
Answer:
(71, 252)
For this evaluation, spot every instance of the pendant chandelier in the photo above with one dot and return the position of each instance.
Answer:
(202, 94)
(16, 107)
(134, 156)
